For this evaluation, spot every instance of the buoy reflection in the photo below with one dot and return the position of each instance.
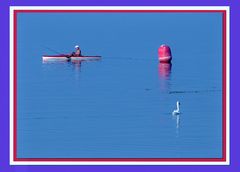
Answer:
(164, 73)
(164, 70)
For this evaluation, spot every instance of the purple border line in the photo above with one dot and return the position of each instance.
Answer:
(4, 87)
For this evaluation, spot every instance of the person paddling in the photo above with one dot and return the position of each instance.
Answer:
(77, 52)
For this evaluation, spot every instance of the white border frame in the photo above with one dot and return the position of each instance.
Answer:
(227, 162)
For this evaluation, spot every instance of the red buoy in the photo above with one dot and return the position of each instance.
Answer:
(164, 54)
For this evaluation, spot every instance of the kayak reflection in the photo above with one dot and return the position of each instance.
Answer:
(77, 64)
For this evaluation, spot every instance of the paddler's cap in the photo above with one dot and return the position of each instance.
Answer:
(76, 46)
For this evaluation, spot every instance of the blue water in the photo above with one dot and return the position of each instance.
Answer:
(120, 106)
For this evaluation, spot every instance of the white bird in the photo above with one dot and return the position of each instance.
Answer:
(177, 111)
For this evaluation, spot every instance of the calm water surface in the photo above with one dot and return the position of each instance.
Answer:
(120, 106)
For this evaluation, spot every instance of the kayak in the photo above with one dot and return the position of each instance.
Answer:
(65, 57)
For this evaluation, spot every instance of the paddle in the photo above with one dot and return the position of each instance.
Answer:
(68, 56)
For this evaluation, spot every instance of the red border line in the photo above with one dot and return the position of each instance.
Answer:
(224, 81)
(119, 11)
(15, 87)
(224, 55)
(125, 159)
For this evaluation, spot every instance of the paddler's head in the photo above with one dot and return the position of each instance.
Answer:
(77, 47)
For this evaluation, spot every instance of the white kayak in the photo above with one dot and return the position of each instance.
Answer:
(63, 57)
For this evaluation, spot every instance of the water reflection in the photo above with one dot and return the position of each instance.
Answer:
(177, 119)
(54, 62)
(164, 70)
(164, 73)
(77, 65)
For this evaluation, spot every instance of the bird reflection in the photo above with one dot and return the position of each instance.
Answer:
(177, 118)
